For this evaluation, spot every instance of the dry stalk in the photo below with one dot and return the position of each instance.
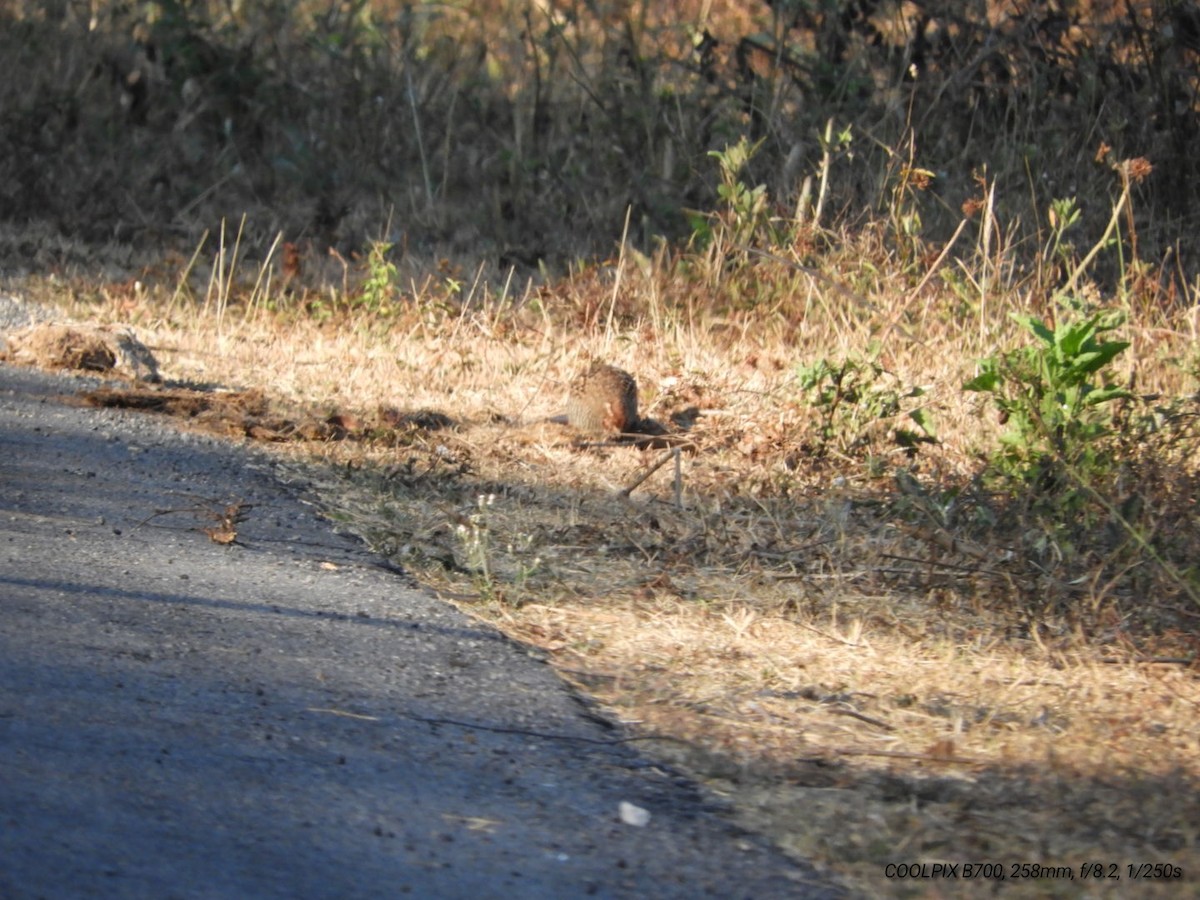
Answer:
(673, 453)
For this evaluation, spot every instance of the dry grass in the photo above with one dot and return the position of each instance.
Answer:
(794, 632)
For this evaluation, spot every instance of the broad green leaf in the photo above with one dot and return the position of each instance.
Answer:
(1070, 338)
(1103, 395)
(987, 380)
(1097, 359)
(924, 421)
(1037, 327)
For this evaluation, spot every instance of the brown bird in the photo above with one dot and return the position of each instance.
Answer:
(603, 400)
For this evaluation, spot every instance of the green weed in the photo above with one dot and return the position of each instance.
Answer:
(1055, 401)
(379, 289)
(854, 395)
(746, 215)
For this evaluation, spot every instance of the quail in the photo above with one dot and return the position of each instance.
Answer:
(603, 400)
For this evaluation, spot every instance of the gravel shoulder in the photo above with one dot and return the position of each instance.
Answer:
(280, 716)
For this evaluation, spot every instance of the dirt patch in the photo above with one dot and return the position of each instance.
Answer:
(249, 414)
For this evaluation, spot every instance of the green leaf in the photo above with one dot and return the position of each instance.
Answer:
(987, 380)
(1070, 337)
(1097, 359)
(1097, 396)
(1037, 327)
(924, 421)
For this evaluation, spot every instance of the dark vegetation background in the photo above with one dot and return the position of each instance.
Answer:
(523, 131)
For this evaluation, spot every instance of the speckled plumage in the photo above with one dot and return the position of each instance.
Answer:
(603, 400)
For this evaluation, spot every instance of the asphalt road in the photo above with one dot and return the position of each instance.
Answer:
(281, 717)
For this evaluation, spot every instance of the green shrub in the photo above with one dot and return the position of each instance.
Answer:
(1055, 402)
(853, 395)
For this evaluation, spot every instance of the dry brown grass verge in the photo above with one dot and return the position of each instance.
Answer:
(788, 627)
